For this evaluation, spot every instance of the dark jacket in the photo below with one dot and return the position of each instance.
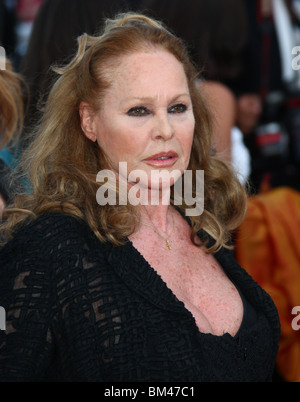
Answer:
(81, 310)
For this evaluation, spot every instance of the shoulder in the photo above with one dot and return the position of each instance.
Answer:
(48, 235)
(54, 250)
(50, 224)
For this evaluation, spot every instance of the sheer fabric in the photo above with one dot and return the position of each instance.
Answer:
(80, 310)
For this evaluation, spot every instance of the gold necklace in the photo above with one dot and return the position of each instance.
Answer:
(166, 239)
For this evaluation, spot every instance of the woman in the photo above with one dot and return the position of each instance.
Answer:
(11, 123)
(129, 291)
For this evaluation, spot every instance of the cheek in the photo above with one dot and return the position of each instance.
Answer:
(120, 145)
(187, 137)
(107, 144)
(108, 137)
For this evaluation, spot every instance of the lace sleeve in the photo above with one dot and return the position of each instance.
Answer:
(28, 305)
(61, 316)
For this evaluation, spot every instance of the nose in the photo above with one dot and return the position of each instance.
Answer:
(163, 128)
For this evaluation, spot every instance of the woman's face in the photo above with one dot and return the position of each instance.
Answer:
(147, 116)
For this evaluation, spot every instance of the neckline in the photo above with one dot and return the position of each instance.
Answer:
(147, 282)
(235, 336)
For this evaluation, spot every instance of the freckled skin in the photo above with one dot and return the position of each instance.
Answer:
(194, 277)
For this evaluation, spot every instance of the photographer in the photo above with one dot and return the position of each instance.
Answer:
(269, 94)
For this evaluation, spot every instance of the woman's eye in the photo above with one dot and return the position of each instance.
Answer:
(138, 111)
(180, 108)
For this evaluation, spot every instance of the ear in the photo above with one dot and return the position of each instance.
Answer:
(87, 121)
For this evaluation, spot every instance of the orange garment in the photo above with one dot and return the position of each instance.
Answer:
(268, 247)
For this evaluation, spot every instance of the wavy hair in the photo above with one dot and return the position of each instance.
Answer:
(11, 106)
(61, 163)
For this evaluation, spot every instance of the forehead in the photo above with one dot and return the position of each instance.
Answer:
(151, 71)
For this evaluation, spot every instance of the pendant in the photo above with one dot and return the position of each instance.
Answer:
(168, 244)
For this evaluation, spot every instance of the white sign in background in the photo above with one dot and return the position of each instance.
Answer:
(2, 319)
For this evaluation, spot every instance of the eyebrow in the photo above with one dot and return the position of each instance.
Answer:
(147, 99)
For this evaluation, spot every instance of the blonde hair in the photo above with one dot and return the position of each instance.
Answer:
(62, 163)
(11, 106)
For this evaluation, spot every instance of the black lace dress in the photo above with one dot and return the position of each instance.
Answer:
(80, 310)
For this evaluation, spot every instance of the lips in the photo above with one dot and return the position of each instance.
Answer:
(163, 159)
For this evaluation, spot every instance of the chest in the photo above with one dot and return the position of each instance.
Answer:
(196, 279)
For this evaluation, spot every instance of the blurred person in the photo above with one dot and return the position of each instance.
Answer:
(11, 122)
(7, 27)
(56, 27)
(23, 12)
(267, 241)
(268, 93)
(100, 291)
(215, 33)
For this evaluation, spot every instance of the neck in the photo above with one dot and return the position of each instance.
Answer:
(158, 215)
